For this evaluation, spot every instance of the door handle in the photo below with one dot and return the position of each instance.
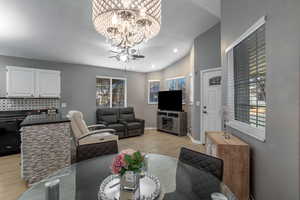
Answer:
(204, 112)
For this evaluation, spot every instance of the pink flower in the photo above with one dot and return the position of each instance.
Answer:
(118, 163)
(129, 152)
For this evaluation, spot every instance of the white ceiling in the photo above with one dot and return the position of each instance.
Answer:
(62, 30)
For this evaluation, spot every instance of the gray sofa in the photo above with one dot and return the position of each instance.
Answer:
(122, 120)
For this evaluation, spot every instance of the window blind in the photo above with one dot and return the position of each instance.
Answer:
(249, 64)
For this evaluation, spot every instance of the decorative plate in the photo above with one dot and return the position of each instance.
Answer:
(110, 188)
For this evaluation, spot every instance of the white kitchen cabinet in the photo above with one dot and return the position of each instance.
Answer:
(30, 82)
(48, 83)
(20, 82)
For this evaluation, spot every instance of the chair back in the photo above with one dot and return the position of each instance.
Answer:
(108, 115)
(127, 114)
(202, 161)
(78, 125)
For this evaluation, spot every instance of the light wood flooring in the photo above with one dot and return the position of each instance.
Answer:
(12, 186)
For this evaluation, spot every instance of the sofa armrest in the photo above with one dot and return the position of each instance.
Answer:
(102, 123)
(123, 122)
(112, 131)
(139, 120)
(96, 126)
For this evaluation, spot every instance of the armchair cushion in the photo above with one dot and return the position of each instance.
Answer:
(98, 138)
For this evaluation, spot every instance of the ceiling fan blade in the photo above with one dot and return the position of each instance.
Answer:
(138, 56)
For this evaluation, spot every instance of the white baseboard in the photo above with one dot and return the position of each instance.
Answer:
(150, 128)
(193, 140)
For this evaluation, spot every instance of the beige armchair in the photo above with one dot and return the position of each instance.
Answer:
(91, 141)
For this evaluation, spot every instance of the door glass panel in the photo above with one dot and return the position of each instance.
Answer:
(215, 81)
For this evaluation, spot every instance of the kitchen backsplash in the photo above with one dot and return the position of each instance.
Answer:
(28, 104)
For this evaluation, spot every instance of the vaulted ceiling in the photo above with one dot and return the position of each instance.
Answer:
(62, 30)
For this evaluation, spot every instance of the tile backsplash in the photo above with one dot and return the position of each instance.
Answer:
(28, 104)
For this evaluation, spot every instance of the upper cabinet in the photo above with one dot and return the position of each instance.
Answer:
(28, 82)
(20, 82)
(48, 83)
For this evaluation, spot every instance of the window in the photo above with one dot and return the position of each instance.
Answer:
(153, 89)
(110, 92)
(249, 79)
(215, 81)
(246, 95)
(177, 84)
(191, 89)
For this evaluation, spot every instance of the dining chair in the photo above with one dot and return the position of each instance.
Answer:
(202, 161)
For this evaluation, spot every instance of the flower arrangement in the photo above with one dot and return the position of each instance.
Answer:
(128, 160)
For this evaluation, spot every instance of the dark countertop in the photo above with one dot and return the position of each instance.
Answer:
(32, 120)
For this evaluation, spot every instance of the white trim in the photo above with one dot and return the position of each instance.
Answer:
(193, 140)
(202, 131)
(150, 128)
(176, 77)
(258, 133)
(112, 77)
(191, 88)
(117, 78)
(149, 81)
(251, 30)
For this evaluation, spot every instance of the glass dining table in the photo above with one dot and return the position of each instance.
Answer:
(81, 181)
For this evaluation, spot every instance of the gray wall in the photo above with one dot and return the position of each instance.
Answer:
(182, 67)
(207, 55)
(204, 55)
(275, 163)
(79, 84)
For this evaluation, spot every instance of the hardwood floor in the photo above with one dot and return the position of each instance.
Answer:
(158, 142)
(12, 186)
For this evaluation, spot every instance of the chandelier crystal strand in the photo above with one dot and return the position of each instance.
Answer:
(127, 23)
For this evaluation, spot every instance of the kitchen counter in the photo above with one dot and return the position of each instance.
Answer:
(45, 146)
(33, 120)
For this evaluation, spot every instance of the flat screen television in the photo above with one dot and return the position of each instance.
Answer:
(170, 100)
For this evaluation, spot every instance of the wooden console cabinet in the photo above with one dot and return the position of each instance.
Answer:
(235, 154)
(172, 122)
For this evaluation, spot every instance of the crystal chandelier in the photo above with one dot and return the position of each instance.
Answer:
(127, 23)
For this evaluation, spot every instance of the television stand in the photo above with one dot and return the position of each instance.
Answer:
(172, 122)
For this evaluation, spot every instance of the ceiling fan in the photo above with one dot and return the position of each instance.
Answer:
(126, 54)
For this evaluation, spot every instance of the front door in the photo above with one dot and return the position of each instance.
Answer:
(211, 118)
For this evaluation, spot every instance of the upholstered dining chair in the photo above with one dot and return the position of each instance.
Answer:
(91, 141)
(202, 161)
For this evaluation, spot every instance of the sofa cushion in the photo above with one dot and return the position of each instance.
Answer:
(127, 114)
(109, 115)
(134, 125)
(117, 127)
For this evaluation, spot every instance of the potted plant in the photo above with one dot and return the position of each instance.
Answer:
(128, 165)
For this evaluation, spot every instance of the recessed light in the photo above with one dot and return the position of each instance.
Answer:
(153, 66)
(175, 50)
